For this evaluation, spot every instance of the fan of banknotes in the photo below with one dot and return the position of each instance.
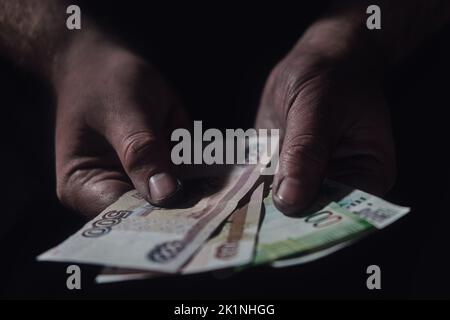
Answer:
(227, 221)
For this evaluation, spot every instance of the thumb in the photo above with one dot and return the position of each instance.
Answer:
(303, 161)
(145, 158)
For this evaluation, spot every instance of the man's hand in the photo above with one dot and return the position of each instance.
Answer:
(114, 111)
(326, 97)
(333, 119)
(114, 118)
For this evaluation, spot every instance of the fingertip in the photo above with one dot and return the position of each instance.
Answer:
(164, 189)
(291, 196)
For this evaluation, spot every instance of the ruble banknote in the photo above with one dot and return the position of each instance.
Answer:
(133, 234)
(231, 246)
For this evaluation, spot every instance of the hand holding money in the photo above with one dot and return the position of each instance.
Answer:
(111, 135)
(135, 235)
(333, 117)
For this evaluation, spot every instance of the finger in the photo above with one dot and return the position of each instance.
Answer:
(89, 175)
(143, 153)
(303, 159)
(91, 190)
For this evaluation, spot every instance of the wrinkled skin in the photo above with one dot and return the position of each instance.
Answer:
(115, 111)
(334, 123)
(114, 116)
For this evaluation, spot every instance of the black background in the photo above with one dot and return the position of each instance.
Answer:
(217, 57)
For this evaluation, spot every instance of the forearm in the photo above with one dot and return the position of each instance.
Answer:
(342, 31)
(32, 32)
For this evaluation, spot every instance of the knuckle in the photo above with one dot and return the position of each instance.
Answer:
(286, 79)
(285, 73)
(65, 186)
(305, 147)
(291, 79)
(280, 84)
(71, 179)
(137, 147)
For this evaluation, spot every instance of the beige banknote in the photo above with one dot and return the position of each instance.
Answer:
(133, 234)
(233, 245)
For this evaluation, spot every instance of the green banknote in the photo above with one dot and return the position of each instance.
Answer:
(339, 214)
(282, 236)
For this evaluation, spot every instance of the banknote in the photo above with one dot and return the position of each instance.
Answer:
(111, 275)
(117, 274)
(233, 245)
(378, 212)
(306, 258)
(340, 214)
(282, 236)
(133, 234)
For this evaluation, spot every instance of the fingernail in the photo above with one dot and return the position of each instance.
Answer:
(162, 186)
(289, 191)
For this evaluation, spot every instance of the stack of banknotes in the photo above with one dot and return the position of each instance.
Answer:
(227, 222)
